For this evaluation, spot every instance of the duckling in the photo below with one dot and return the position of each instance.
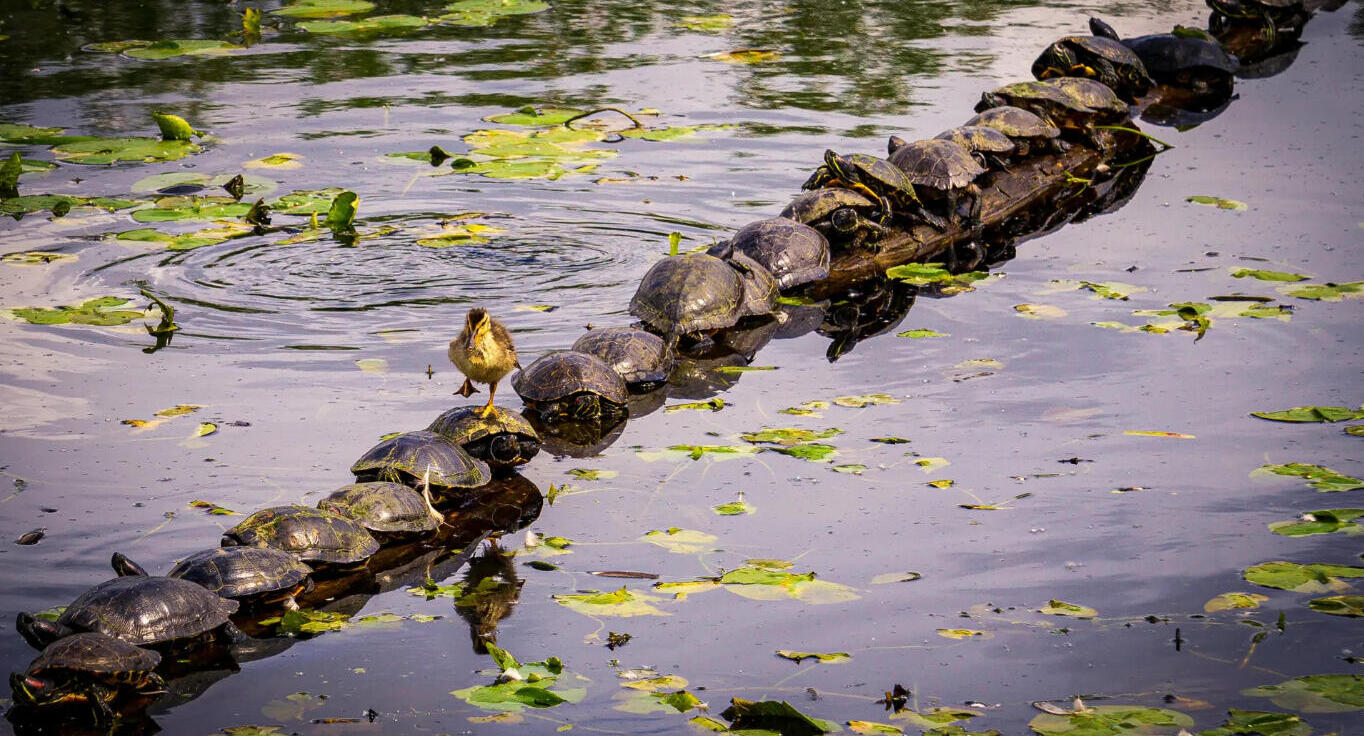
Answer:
(483, 352)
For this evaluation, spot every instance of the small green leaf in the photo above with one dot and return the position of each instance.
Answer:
(809, 451)
(170, 49)
(921, 332)
(715, 404)
(1324, 292)
(744, 56)
(622, 602)
(1312, 414)
(98, 151)
(1110, 720)
(1241, 273)
(827, 657)
(857, 402)
(1225, 204)
(1322, 478)
(1061, 608)
(788, 435)
(341, 213)
(1339, 605)
(587, 474)
(1234, 602)
(706, 23)
(851, 468)
(680, 541)
(733, 508)
(324, 8)
(1315, 693)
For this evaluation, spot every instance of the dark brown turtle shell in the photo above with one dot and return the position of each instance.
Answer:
(503, 439)
(761, 288)
(1016, 123)
(414, 458)
(794, 252)
(382, 506)
(1092, 94)
(688, 293)
(639, 356)
(979, 138)
(147, 610)
(1044, 98)
(937, 164)
(310, 534)
(816, 206)
(258, 573)
(100, 656)
(559, 374)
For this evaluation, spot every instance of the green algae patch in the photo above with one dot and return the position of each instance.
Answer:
(1313, 578)
(100, 312)
(97, 151)
(1315, 693)
(1111, 720)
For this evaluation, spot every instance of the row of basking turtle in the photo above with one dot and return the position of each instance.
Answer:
(108, 643)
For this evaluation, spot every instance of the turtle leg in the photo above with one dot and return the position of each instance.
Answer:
(973, 213)
(467, 389)
(488, 408)
(1271, 30)
(933, 219)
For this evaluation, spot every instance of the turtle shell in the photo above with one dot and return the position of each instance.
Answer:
(760, 286)
(816, 206)
(502, 439)
(793, 252)
(1080, 55)
(1015, 122)
(1096, 96)
(412, 458)
(1033, 96)
(381, 506)
(937, 163)
(878, 174)
(310, 534)
(688, 293)
(560, 374)
(1168, 56)
(981, 138)
(243, 572)
(147, 610)
(637, 355)
(100, 656)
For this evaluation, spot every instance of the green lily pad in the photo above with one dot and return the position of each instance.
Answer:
(589, 474)
(669, 133)
(1324, 292)
(102, 312)
(536, 117)
(28, 135)
(1254, 273)
(251, 184)
(934, 716)
(1313, 578)
(112, 150)
(1325, 521)
(1111, 720)
(1312, 414)
(61, 203)
(1259, 723)
(696, 452)
(714, 404)
(706, 23)
(760, 583)
(814, 452)
(487, 12)
(921, 332)
(733, 508)
(533, 685)
(744, 56)
(1315, 693)
(324, 8)
(169, 49)
(169, 209)
(1339, 605)
(308, 622)
(37, 257)
(773, 716)
(283, 161)
(305, 201)
(1104, 290)
(827, 657)
(373, 24)
(1218, 202)
(1234, 602)
(1061, 608)
(850, 468)
(518, 168)
(680, 541)
(222, 232)
(872, 727)
(788, 435)
(857, 402)
(621, 602)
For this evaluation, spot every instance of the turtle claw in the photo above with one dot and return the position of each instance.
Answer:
(467, 389)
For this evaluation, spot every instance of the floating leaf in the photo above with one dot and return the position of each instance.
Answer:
(680, 590)
(733, 508)
(324, 8)
(1312, 414)
(28, 135)
(715, 404)
(617, 603)
(533, 117)
(680, 541)
(706, 23)
(1234, 601)
(809, 451)
(101, 311)
(1039, 311)
(872, 727)
(1259, 723)
(1315, 693)
(1313, 578)
(1156, 433)
(174, 127)
(113, 150)
(776, 716)
(169, 49)
(372, 365)
(1104, 290)
(341, 213)
(1061, 608)
(377, 23)
(853, 468)
(896, 577)
(292, 707)
(760, 583)
(733, 369)
(1339, 605)
(1110, 720)
(857, 402)
(537, 686)
(929, 464)
(1322, 478)
(174, 208)
(1241, 273)
(1218, 202)
(827, 657)
(280, 161)
(188, 241)
(37, 258)
(695, 452)
(962, 633)
(942, 483)
(308, 622)
(587, 474)
(1324, 292)
(744, 56)
(921, 332)
(487, 12)
(890, 440)
(1325, 521)
(788, 435)
(251, 184)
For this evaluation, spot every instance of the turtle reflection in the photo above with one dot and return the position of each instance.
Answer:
(871, 308)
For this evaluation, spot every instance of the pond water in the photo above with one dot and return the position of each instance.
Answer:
(304, 354)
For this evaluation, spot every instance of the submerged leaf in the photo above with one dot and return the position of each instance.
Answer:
(1339, 605)
(1315, 693)
(706, 23)
(680, 541)
(744, 56)
(1234, 601)
(814, 452)
(828, 657)
(1040, 311)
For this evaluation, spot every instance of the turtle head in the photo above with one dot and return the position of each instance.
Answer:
(1102, 29)
(844, 220)
(39, 632)
(990, 100)
(841, 167)
(895, 143)
(30, 689)
(585, 407)
(125, 567)
(504, 448)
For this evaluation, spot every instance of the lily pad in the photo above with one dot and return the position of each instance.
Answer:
(744, 56)
(1324, 292)
(61, 204)
(251, 184)
(282, 161)
(169, 49)
(29, 135)
(696, 452)
(1339, 605)
(1259, 723)
(112, 150)
(169, 209)
(706, 23)
(1111, 720)
(733, 508)
(1104, 290)
(1315, 693)
(222, 232)
(777, 716)
(680, 541)
(714, 404)
(1061, 608)
(373, 24)
(814, 452)
(858, 402)
(1262, 275)
(1039, 311)
(1218, 202)
(1313, 578)
(1325, 521)
(536, 117)
(759, 583)
(1234, 602)
(525, 685)
(37, 257)
(102, 312)
(487, 12)
(590, 474)
(921, 332)
(963, 634)
(324, 8)
(305, 201)
(825, 657)
(1312, 414)
(788, 435)
(621, 602)
(871, 727)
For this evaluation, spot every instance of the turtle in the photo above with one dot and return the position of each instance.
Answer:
(1185, 57)
(1272, 13)
(1029, 132)
(1071, 103)
(761, 289)
(990, 147)
(386, 509)
(877, 178)
(567, 384)
(90, 668)
(943, 171)
(842, 215)
(793, 252)
(641, 358)
(140, 610)
(422, 459)
(692, 292)
(1095, 57)
(503, 439)
(310, 534)
(256, 577)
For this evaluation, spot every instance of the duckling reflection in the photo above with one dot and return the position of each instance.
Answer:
(492, 589)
